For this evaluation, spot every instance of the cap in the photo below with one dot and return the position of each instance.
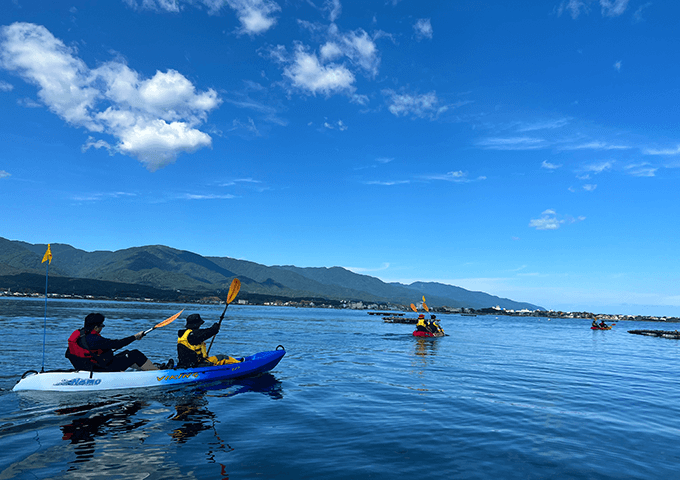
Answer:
(194, 320)
(94, 319)
(421, 316)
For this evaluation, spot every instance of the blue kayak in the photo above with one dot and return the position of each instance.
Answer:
(82, 381)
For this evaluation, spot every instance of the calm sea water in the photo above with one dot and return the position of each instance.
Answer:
(501, 398)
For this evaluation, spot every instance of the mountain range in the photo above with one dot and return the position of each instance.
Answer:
(163, 272)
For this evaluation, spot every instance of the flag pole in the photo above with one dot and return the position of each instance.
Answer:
(47, 257)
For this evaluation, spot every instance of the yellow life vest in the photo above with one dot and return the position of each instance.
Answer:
(202, 352)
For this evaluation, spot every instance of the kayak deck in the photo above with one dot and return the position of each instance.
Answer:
(419, 333)
(80, 381)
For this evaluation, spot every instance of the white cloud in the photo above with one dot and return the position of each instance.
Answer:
(153, 119)
(595, 145)
(4, 174)
(550, 124)
(93, 143)
(549, 220)
(617, 66)
(6, 87)
(589, 187)
(256, 16)
(421, 106)
(423, 28)
(195, 196)
(383, 267)
(574, 7)
(549, 166)
(307, 73)
(387, 183)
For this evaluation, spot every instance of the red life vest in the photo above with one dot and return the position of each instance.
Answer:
(77, 350)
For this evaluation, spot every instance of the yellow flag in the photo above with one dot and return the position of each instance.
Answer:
(48, 256)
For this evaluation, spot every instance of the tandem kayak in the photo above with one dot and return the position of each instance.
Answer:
(81, 381)
(418, 333)
(600, 328)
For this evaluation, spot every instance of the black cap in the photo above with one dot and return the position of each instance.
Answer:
(194, 320)
(94, 319)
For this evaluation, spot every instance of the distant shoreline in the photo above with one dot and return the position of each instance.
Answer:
(305, 303)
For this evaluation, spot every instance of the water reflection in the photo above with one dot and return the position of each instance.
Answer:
(425, 346)
(120, 414)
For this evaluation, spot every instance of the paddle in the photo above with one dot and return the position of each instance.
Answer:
(413, 307)
(233, 291)
(165, 322)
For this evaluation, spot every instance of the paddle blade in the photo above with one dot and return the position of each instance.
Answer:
(233, 290)
(425, 307)
(169, 320)
(413, 307)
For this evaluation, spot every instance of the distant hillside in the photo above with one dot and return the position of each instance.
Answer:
(157, 268)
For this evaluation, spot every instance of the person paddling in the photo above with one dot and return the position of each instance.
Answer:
(602, 324)
(88, 350)
(421, 326)
(191, 349)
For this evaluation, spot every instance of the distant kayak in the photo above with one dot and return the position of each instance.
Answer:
(80, 381)
(418, 333)
(600, 328)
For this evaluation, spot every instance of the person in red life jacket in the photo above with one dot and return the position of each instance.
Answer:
(88, 350)
(191, 349)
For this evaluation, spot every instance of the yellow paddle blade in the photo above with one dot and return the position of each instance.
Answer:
(233, 290)
(413, 307)
(425, 307)
(169, 320)
(423, 298)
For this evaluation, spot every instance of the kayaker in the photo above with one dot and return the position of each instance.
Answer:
(191, 349)
(421, 326)
(434, 325)
(88, 350)
(594, 324)
(602, 324)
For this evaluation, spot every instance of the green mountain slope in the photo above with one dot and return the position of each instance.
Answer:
(158, 267)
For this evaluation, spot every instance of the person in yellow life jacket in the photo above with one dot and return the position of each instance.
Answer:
(421, 326)
(191, 348)
(434, 325)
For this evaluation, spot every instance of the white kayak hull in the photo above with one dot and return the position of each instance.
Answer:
(81, 381)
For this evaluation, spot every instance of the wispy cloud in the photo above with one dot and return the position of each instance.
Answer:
(543, 125)
(382, 268)
(4, 174)
(666, 151)
(589, 187)
(387, 183)
(549, 220)
(101, 196)
(549, 166)
(256, 16)
(6, 87)
(599, 167)
(512, 143)
(153, 119)
(423, 29)
(617, 66)
(609, 8)
(403, 104)
(641, 170)
(595, 145)
(195, 196)
(456, 177)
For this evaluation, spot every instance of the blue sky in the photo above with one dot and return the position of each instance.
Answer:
(526, 149)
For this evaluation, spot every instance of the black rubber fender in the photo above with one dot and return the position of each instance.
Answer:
(279, 346)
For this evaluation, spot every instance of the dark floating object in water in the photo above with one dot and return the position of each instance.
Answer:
(657, 333)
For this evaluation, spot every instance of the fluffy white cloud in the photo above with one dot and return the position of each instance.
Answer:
(307, 73)
(549, 220)
(423, 28)
(549, 166)
(404, 104)
(153, 119)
